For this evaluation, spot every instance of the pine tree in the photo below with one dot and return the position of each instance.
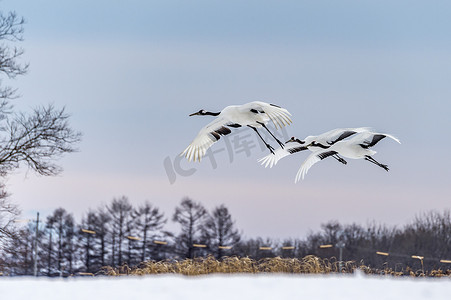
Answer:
(120, 211)
(103, 233)
(220, 231)
(148, 221)
(191, 216)
(61, 224)
(86, 237)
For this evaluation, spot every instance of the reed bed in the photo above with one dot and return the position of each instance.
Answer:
(227, 265)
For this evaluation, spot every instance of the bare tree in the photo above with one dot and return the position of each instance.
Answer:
(11, 30)
(17, 257)
(34, 139)
(37, 138)
(8, 212)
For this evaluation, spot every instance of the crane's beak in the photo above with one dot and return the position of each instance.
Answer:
(194, 114)
(290, 140)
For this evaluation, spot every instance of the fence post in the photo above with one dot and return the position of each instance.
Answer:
(36, 246)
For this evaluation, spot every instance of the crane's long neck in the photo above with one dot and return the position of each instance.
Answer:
(209, 113)
(299, 141)
(320, 145)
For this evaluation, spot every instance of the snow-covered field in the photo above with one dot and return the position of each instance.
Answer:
(227, 287)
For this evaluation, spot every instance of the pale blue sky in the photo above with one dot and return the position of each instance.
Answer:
(130, 72)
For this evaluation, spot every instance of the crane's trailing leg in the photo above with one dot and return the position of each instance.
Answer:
(267, 145)
(370, 159)
(279, 142)
(340, 159)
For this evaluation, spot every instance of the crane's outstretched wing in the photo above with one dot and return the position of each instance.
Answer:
(206, 137)
(278, 115)
(369, 139)
(339, 134)
(311, 160)
(271, 159)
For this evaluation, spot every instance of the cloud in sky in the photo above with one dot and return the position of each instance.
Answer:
(130, 73)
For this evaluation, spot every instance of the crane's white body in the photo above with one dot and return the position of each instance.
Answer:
(352, 148)
(250, 114)
(241, 114)
(357, 147)
(330, 137)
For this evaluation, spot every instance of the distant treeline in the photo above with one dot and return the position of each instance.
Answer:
(120, 234)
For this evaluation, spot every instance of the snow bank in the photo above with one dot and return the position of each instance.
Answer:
(230, 287)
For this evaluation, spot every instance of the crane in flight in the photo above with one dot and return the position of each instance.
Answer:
(322, 141)
(357, 147)
(253, 115)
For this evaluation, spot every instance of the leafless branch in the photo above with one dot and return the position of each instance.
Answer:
(37, 140)
(11, 30)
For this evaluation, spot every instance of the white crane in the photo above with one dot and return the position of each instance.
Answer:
(357, 147)
(254, 115)
(322, 141)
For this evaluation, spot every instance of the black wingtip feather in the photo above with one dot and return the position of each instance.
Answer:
(296, 149)
(326, 154)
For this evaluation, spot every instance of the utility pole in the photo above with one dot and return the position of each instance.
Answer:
(340, 245)
(36, 246)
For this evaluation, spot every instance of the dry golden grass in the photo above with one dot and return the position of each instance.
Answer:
(209, 265)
